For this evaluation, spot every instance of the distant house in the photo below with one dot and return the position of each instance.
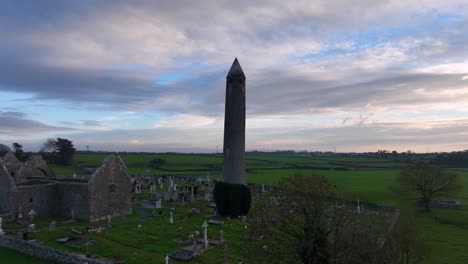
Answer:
(107, 192)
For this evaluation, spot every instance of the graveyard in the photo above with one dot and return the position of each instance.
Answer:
(157, 228)
(369, 180)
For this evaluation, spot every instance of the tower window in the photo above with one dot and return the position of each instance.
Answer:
(30, 200)
(112, 188)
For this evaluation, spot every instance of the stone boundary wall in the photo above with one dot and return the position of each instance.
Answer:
(47, 253)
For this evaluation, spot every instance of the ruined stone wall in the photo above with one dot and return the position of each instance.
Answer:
(12, 163)
(40, 197)
(73, 200)
(110, 190)
(6, 187)
(50, 254)
(34, 162)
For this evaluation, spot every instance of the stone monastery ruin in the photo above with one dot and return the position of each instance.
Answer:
(108, 192)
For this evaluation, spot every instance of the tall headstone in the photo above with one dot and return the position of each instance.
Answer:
(234, 126)
(1, 230)
(171, 219)
(205, 234)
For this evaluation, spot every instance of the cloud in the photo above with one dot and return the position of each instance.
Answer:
(186, 121)
(17, 123)
(308, 67)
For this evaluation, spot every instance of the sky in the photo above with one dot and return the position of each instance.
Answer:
(323, 75)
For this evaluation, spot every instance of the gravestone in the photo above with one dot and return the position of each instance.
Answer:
(1, 229)
(52, 226)
(31, 228)
(205, 234)
(158, 204)
(171, 220)
(32, 213)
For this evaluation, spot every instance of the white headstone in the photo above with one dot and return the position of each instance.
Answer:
(31, 228)
(205, 234)
(139, 227)
(158, 204)
(32, 213)
(263, 188)
(1, 229)
(109, 218)
(52, 226)
(167, 259)
(171, 220)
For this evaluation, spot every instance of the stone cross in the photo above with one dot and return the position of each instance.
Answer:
(171, 220)
(32, 213)
(221, 236)
(167, 259)
(205, 233)
(1, 230)
(52, 226)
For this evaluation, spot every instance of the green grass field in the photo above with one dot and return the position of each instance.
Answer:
(444, 230)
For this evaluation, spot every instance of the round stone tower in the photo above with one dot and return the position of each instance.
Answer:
(234, 126)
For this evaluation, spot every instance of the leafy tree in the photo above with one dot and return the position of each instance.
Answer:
(4, 149)
(65, 151)
(428, 182)
(19, 153)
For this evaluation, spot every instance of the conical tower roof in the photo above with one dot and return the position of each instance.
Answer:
(236, 69)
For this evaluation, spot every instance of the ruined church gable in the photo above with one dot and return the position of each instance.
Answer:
(110, 189)
(12, 164)
(34, 162)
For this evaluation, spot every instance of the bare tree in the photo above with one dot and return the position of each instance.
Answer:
(428, 182)
(48, 146)
(304, 222)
